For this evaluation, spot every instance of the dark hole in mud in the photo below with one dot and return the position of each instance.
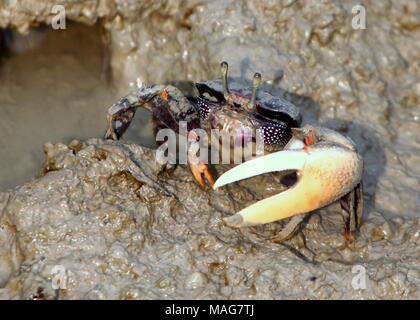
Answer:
(3, 46)
(13, 43)
(53, 88)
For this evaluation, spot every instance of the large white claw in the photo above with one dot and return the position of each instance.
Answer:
(326, 172)
(278, 161)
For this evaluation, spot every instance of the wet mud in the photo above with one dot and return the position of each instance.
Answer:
(122, 226)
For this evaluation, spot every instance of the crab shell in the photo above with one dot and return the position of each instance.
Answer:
(269, 106)
(274, 116)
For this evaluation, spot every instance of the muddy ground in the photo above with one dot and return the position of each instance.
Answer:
(122, 227)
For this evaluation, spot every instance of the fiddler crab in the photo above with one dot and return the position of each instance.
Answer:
(326, 164)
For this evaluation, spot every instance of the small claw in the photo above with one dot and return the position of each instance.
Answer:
(199, 169)
(326, 172)
(110, 132)
(197, 166)
(120, 115)
(209, 177)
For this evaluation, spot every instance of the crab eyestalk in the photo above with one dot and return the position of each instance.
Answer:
(255, 85)
(224, 69)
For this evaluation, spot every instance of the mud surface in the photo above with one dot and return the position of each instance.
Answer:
(124, 227)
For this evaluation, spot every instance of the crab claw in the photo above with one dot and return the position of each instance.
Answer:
(199, 169)
(328, 167)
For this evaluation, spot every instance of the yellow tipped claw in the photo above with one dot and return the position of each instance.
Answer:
(327, 170)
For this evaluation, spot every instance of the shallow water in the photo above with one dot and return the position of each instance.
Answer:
(53, 87)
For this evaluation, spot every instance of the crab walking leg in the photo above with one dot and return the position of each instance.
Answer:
(169, 108)
(352, 205)
(167, 104)
(288, 231)
(326, 172)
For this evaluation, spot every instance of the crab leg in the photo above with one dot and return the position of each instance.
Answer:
(326, 170)
(167, 104)
(169, 107)
(352, 204)
(121, 113)
(197, 166)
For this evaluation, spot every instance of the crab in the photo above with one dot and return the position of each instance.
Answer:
(326, 165)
